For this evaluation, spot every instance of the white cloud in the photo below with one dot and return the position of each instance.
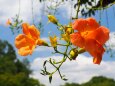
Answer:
(45, 39)
(9, 8)
(43, 48)
(78, 71)
(111, 42)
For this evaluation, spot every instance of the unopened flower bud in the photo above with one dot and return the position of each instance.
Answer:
(53, 19)
(73, 54)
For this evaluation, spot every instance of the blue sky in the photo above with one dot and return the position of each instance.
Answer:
(40, 53)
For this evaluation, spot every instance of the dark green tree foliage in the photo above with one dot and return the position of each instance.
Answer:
(12, 71)
(95, 81)
(102, 4)
(71, 84)
(100, 81)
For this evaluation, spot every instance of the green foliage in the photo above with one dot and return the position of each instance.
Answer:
(71, 84)
(100, 81)
(100, 5)
(12, 71)
(95, 81)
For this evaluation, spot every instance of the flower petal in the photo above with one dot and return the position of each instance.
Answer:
(24, 51)
(95, 49)
(79, 24)
(34, 32)
(85, 24)
(25, 28)
(30, 31)
(25, 44)
(77, 39)
(92, 24)
(22, 41)
(101, 34)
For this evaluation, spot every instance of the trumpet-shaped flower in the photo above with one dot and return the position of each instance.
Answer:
(27, 42)
(90, 36)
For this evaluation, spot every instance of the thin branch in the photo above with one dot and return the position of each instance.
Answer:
(78, 9)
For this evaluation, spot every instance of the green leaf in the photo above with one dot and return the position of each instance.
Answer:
(42, 73)
(65, 79)
(44, 63)
(50, 78)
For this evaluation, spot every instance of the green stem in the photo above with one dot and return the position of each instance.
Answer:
(61, 62)
(78, 9)
(63, 44)
(81, 50)
(57, 68)
(56, 51)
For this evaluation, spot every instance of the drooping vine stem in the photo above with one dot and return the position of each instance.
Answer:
(61, 62)
(57, 68)
(100, 12)
(56, 64)
(78, 9)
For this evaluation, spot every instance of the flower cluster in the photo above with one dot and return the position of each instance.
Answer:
(83, 35)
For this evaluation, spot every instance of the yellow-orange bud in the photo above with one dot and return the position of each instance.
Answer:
(52, 19)
(73, 54)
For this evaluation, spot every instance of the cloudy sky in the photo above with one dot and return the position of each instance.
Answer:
(80, 70)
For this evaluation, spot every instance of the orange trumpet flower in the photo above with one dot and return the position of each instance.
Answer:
(90, 36)
(27, 42)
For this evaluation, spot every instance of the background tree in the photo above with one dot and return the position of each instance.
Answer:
(13, 72)
(95, 81)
